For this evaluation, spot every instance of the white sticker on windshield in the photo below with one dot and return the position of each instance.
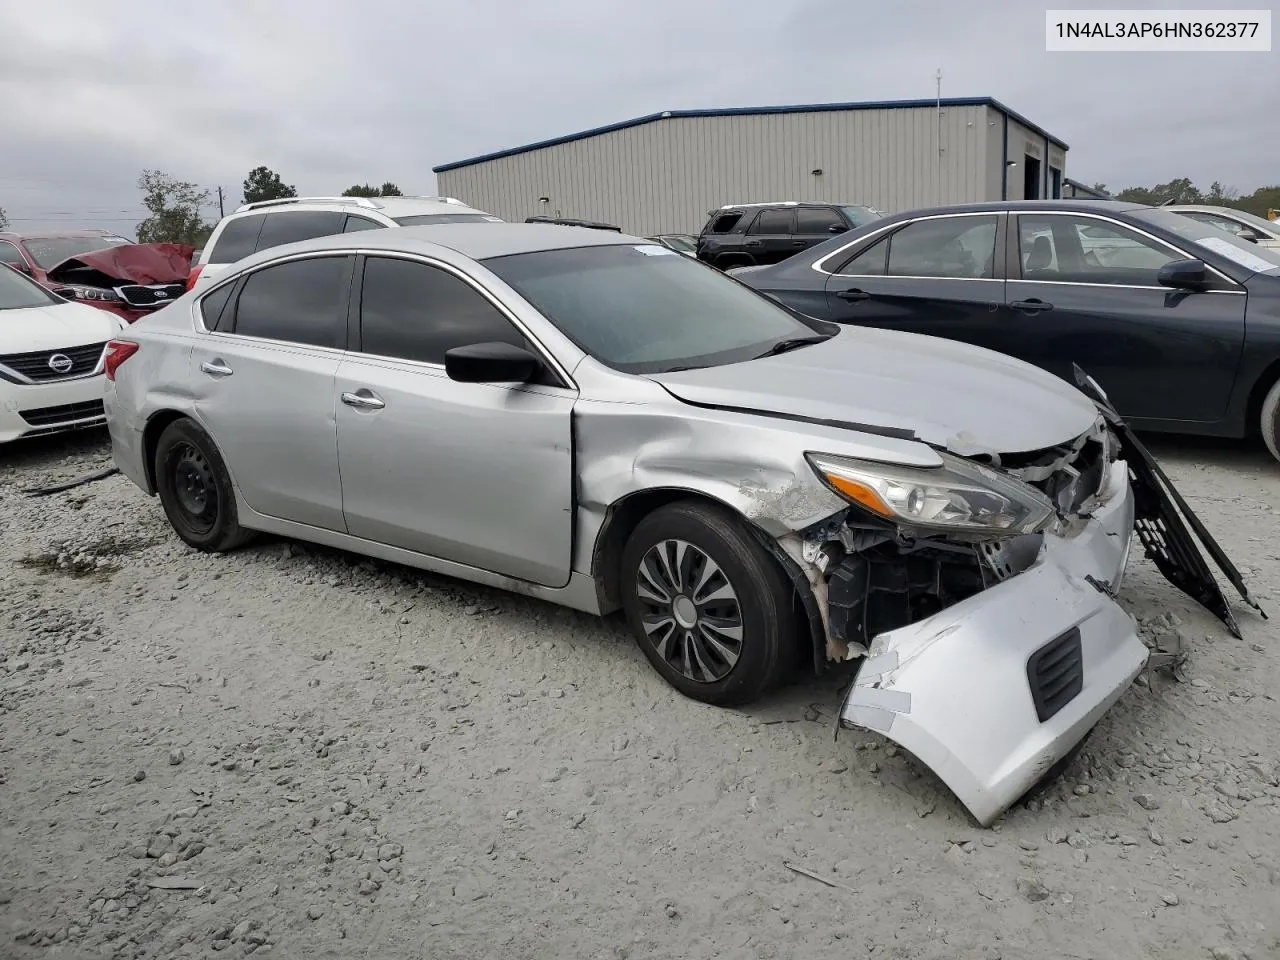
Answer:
(656, 250)
(1243, 257)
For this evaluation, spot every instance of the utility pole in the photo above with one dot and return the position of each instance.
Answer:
(938, 80)
(221, 212)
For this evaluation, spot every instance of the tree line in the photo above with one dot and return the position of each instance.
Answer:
(176, 208)
(1182, 190)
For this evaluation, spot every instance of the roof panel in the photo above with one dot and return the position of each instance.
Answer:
(754, 111)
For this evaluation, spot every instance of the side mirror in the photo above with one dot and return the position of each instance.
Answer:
(1184, 274)
(490, 363)
(837, 228)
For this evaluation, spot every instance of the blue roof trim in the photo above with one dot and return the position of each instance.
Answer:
(755, 111)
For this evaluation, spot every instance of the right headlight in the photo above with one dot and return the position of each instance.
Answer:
(958, 497)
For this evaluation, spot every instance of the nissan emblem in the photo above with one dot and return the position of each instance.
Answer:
(60, 363)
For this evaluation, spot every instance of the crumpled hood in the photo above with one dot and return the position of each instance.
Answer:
(950, 395)
(130, 263)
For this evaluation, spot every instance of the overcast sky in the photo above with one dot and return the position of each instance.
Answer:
(329, 93)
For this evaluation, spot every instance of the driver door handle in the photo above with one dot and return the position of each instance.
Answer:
(363, 399)
(216, 368)
(753, 243)
(853, 295)
(1034, 305)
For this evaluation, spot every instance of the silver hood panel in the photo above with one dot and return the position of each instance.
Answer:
(948, 394)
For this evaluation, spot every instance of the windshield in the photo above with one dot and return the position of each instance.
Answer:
(51, 251)
(18, 293)
(422, 219)
(647, 309)
(862, 215)
(1241, 252)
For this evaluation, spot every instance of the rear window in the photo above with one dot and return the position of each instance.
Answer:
(725, 222)
(238, 239)
(422, 219)
(291, 226)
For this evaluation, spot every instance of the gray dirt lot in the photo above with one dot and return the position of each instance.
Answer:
(297, 752)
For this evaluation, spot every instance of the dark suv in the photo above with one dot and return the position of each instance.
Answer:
(756, 234)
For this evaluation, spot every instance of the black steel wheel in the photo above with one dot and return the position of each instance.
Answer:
(195, 488)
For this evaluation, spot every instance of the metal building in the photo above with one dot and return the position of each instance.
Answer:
(663, 172)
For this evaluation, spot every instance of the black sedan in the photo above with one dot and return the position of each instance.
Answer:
(1177, 320)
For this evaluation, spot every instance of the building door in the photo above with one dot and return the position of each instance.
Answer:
(1030, 177)
(1055, 183)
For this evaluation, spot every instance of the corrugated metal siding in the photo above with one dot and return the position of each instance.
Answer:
(665, 176)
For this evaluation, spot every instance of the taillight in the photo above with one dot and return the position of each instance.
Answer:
(193, 276)
(118, 351)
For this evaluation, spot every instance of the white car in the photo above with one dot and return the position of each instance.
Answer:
(1265, 233)
(52, 359)
(271, 223)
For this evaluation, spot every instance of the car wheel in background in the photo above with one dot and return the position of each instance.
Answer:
(708, 605)
(195, 489)
(1270, 420)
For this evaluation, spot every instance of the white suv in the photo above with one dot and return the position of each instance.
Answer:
(270, 223)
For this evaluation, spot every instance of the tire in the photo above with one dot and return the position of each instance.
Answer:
(690, 641)
(1269, 421)
(195, 489)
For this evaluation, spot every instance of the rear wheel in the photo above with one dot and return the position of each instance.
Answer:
(195, 489)
(708, 605)
(1269, 422)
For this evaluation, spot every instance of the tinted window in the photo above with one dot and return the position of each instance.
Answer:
(302, 301)
(810, 220)
(1084, 250)
(9, 254)
(413, 311)
(211, 307)
(725, 222)
(425, 218)
(238, 239)
(869, 263)
(294, 225)
(355, 223)
(646, 309)
(959, 247)
(773, 221)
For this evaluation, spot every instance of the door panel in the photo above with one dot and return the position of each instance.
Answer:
(771, 237)
(937, 276)
(273, 420)
(480, 474)
(1159, 353)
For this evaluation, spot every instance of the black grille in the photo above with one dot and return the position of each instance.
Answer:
(1056, 673)
(66, 413)
(154, 295)
(36, 365)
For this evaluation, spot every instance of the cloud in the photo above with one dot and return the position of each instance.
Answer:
(330, 93)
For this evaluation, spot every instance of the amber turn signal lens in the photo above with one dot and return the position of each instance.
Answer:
(860, 493)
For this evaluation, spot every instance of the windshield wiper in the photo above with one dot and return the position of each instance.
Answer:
(782, 346)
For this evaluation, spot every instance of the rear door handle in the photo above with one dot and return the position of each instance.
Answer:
(754, 243)
(853, 295)
(1031, 306)
(216, 368)
(799, 243)
(363, 399)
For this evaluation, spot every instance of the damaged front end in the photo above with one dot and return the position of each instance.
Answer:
(131, 280)
(981, 597)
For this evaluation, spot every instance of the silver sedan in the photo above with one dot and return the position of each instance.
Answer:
(593, 419)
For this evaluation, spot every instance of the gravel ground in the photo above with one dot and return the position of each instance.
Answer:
(297, 752)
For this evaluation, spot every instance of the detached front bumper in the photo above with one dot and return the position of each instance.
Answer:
(992, 691)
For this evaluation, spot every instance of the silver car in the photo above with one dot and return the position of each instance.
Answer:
(595, 420)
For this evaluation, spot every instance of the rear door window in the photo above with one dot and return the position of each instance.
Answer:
(290, 226)
(869, 263)
(774, 222)
(213, 307)
(301, 301)
(961, 248)
(238, 239)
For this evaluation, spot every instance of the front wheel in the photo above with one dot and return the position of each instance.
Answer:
(708, 605)
(1269, 422)
(195, 489)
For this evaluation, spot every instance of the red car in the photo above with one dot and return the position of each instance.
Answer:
(101, 269)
